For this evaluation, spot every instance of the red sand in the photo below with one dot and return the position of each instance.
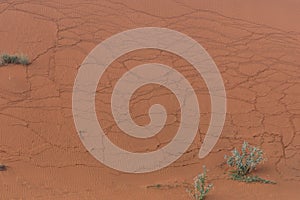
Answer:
(255, 44)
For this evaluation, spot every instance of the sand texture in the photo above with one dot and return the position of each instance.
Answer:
(255, 44)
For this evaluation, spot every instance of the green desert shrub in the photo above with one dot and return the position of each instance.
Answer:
(14, 59)
(244, 162)
(201, 188)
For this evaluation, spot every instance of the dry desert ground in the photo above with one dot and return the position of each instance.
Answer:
(254, 43)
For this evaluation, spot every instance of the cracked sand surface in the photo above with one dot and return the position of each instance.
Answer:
(38, 141)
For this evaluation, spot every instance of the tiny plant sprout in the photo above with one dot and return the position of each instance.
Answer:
(2, 167)
(201, 188)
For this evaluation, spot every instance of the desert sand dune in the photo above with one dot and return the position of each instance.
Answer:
(258, 58)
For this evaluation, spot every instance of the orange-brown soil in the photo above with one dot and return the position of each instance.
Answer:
(255, 44)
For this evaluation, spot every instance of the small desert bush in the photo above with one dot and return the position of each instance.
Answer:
(245, 162)
(201, 188)
(14, 59)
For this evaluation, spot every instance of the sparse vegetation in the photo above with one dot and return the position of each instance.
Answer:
(245, 162)
(2, 167)
(164, 186)
(157, 186)
(201, 188)
(13, 59)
